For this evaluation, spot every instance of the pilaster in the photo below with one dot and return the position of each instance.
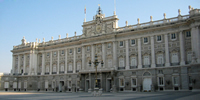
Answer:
(58, 62)
(83, 57)
(115, 55)
(195, 39)
(127, 55)
(50, 63)
(13, 64)
(92, 54)
(18, 66)
(66, 61)
(182, 48)
(30, 63)
(139, 54)
(167, 63)
(74, 71)
(43, 63)
(24, 65)
(103, 54)
(152, 53)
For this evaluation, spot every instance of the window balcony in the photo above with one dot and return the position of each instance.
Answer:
(77, 71)
(175, 64)
(46, 73)
(38, 73)
(61, 72)
(188, 62)
(160, 65)
(69, 71)
(54, 72)
(19, 74)
(121, 68)
(133, 67)
(146, 66)
(25, 73)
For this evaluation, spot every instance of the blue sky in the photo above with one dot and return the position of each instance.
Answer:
(46, 18)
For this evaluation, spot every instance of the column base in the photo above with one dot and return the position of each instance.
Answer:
(89, 90)
(139, 66)
(167, 64)
(127, 67)
(182, 63)
(153, 65)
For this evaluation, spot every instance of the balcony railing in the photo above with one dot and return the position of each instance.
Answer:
(133, 67)
(54, 72)
(175, 64)
(38, 73)
(121, 68)
(69, 71)
(146, 66)
(160, 65)
(46, 73)
(77, 71)
(61, 72)
(25, 73)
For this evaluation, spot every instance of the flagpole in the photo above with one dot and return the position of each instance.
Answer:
(85, 14)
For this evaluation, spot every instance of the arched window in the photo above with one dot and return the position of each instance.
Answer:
(146, 74)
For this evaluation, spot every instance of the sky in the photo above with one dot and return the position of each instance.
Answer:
(46, 18)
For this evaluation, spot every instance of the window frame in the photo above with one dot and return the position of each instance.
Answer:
(159, 39)
(121, 43)
(173, 36)
(145, 40)
(188, 34)
(132, 42)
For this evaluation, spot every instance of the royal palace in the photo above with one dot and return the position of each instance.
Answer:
(162, 55)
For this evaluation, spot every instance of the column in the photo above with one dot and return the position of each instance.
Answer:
(18, 66)
(115, 55)
(74, 71)
(127, 55)
(35, 63)
(103, 54)
(195, 39)
(66, 61)
(152, 53)
(83, 57)
(101, 80)
(139, 54)
(13, 64)
(92, 54)
(30, 63)
(182, 48)
(58, 63)
(90, 83)
(43, 63)
(167, 63)
(24, 65)
(50, 63)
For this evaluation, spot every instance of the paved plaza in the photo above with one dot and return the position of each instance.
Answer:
(111, 96)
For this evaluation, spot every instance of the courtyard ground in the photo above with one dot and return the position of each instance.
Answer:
(172, 95)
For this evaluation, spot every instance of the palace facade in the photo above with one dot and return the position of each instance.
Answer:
(158, 55)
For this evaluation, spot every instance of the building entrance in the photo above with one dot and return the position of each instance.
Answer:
(147, 84)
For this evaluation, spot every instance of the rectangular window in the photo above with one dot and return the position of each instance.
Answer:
(62, 52)
(88, 48)
(133, 82)
(110, 63)
(160, 81)
(121, 82)
(175, 58)
(54, 53)
(190, 80)
(70, 50)
(189, 56)
(146, 60)
(159, 38)
(47, 54)
(109, 45)
(121, 43)
(188, 34)
(145, 40)
(133, 42)
(121, 62)
(160, 59)
(133, 61)
(175, 80)
(79, 49)
(173, 36)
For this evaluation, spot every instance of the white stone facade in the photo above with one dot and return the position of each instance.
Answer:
(157, 55)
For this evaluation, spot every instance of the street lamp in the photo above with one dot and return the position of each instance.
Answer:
(96, 63)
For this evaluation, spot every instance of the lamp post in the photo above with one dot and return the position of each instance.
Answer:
(96, 63)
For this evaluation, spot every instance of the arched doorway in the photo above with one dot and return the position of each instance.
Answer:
(147, 81)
